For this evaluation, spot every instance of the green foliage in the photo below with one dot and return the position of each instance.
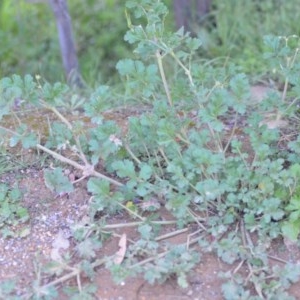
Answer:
(177, 262)
(12, 212)
(87, 292)
(56, 181)
(30, 45)
(234, 291)
(282, 56)
(202, 150)
(232, 25)
(96, 25)
(7, 163)
(29, 25)
(103, 199)
(99, 35)
(291, 227)
(282, 278)
(7, 290)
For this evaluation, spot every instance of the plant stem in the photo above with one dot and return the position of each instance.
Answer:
(132, 212)
(163, 77)
(186, 70)
(88, 170)
(132, 154)
(133, 224)
(286, 84)
(160, 255)
(70, 127)
(171, 234)
(75, 272)
(60, 116)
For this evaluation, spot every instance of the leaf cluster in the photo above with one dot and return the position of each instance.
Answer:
(12, 212)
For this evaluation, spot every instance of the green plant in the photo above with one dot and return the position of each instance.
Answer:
(98, 26)
(7, 290)
(232, 25)
(291, 228)
(202, 150)
(11, 212)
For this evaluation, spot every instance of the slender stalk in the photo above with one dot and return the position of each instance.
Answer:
(56, 112)
(133, 224)
(76, 272)
(88, 170)
(132, 212)
(231, 134)
(186, 70)
(171, 234)
(70, 127)
(10, 131)
(286, 84)
(163, 77)
(160, 255)
(132, 154)
(63, 278)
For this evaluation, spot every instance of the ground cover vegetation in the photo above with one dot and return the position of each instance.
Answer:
(199, 148)
(30, 45)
